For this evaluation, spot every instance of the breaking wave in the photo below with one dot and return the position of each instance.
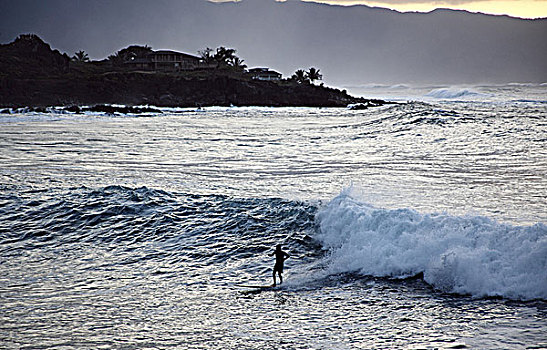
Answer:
(464, 255)
(450, 93)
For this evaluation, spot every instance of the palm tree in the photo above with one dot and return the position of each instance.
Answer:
(313, 74)
(237, 63)
(223, 55)
(80, 56)
(300, 76)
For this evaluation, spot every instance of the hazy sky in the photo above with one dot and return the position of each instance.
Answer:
(516, 8)
(351, 45)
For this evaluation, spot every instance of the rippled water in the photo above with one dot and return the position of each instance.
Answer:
(419, 225)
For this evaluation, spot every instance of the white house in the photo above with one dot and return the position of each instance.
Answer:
(265, 74)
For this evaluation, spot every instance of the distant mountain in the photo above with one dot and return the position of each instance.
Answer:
(351, 45)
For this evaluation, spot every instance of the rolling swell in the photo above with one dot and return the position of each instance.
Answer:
(115, 228)
(140, 224)
(463, 255)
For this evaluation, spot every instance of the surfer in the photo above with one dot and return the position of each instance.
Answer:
(280, 257)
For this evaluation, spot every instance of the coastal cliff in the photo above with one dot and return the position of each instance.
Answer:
(32, 74)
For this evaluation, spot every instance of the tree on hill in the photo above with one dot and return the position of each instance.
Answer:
(129, 53)
(313, 74)
(29, 38)
(237, 63)
(222, 57)
(206, 55)
(300, 76)
(136, 51)
(80, 56)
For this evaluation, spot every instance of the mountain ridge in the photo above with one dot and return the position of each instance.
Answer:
(350, 44)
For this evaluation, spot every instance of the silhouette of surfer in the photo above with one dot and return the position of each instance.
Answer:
(280, 257)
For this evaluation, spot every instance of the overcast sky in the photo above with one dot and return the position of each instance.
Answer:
(351, 45)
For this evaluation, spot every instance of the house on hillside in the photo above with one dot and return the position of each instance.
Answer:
(265, 74)
(136, 62)
(163, 60)
(166, 60)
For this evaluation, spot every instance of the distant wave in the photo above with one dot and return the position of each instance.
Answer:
(463, 255)
(450, 93)
(527, 84)
(380, 86)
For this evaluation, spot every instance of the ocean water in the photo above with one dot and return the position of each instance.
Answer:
(420, 225)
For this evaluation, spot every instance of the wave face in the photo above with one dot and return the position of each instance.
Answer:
(450, 93)
(144, 224)
(463, 255)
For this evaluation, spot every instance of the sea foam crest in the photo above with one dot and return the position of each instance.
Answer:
(449, 93)
(464, 255)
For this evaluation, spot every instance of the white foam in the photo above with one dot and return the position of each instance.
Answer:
(380, 86)
(451, 93)
(465, 255)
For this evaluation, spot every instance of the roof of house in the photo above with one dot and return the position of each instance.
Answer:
(258, 70)
(263, 71)
(170, 52)
(270, 72)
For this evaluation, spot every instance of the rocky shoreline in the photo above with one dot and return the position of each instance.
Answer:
(134, 88)
(34, 75)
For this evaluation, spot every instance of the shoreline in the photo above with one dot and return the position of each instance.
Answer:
(169, 90)
(141, 109)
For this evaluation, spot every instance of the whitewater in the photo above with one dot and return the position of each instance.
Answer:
(418, 225)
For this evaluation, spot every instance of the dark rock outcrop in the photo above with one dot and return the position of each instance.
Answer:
(32, 74)
(29, 56)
